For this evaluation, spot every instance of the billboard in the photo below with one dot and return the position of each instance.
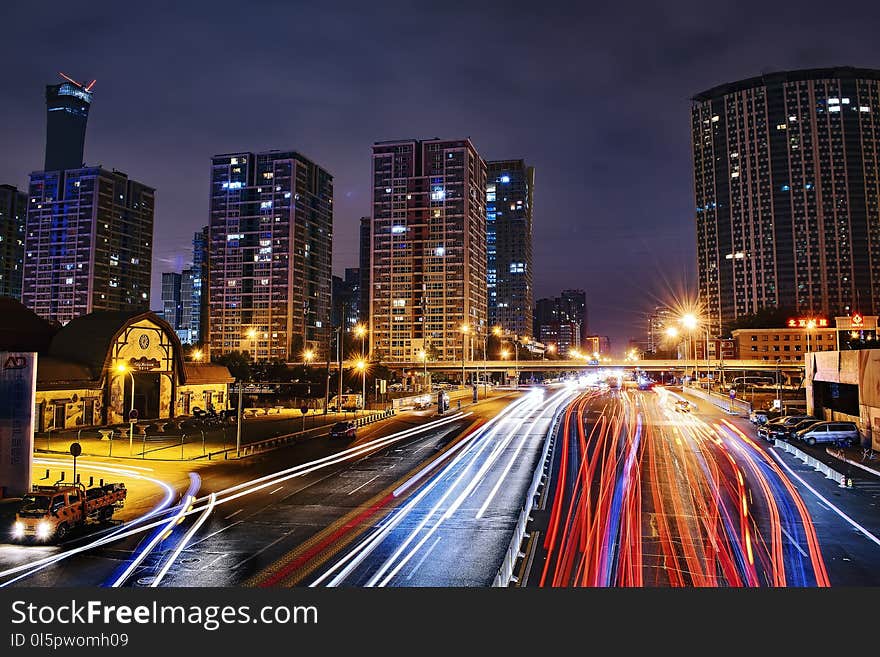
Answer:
(18, 383)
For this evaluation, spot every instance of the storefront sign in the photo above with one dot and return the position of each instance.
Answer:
(143, 364)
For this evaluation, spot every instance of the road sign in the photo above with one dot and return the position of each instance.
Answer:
(133, 415)
(303, 409)
(733, 393)
(75, 449)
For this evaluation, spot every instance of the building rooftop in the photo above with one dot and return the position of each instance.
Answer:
(779, 77)
(21, 329)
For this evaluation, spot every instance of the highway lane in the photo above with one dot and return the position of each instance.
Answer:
(642, 494)
(455, 518)
(102, 564)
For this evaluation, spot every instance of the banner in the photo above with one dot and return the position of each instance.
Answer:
(18, 384)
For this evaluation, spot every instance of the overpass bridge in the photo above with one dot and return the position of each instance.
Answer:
(671, 365)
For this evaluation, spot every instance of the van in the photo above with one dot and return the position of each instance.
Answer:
(345, 403)
(841, 433)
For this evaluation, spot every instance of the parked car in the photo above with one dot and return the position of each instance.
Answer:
(343, 430)
(762, 416)
(803, 424)
(777, 428)
(841, 433)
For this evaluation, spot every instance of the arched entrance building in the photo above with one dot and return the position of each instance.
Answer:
(94, 369)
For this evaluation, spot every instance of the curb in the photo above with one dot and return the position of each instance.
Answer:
(851, 462)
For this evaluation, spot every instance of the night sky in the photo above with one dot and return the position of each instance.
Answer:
(595, 98)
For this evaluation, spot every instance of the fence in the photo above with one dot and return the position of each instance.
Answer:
(269, 444)
(505, 572)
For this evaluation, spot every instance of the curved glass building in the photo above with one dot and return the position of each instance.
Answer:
(786, 187)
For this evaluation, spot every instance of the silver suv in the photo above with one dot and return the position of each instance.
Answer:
(841, 433)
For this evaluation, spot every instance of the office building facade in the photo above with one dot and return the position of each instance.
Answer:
(67, 113)
(510, 189)
(270, 249)
(88, 243)
(13, 218)
(172, 310)
(366, 249)
(786, 189)
(428, 256)
(562, 320)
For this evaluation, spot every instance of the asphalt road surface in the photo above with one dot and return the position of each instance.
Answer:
(643, 494)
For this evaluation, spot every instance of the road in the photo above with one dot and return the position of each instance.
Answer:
(642, 494)
(264, 507)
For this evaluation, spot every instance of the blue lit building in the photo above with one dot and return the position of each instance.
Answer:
(67, 108)
(510, 186)
(88, 243)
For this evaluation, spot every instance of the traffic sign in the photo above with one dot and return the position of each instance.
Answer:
(75, 449)
(133, 415)
(303, 409)
(733, 393)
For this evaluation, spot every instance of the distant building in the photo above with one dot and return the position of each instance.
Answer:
(597, 344)
(428, 238)
(271, 230)
(562, 320)
(786, 344)
(67, 112)
(88, 243)
(364, 270)
(658, 322)
(172, 312)
(195, 304)
(346, 300)
(510, 188)
(13, 219)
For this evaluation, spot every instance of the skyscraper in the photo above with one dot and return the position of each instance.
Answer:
(13, 217)
(172, 311)
(364, 270)
(510, 189)
(346, 300)
(787, 190)
(195, 311)
(271, 230)
(67, 111)
(428, 233)
(658, 322)
(573, 308)
(88, 243)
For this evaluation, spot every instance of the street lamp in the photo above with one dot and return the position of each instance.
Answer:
(361, 331)
(551, 348)
(361, 365)
(309, 356)
(252, 336)
(122, 368)
(197, 355)
(465, 330)
(423, 356)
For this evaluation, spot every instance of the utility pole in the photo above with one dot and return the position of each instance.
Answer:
(238, 427)
(327, 378)
(339, 352)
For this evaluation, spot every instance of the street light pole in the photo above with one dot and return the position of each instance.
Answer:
(238, 422)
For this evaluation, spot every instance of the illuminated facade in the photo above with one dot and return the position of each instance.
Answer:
(787, 188)
(67, 112)
(88, 243)
(428, 249)
(270, 235)
(510, 188)
(13, 213)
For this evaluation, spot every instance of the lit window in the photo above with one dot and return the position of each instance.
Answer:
(786, 188)
(68, 281)
(505, 178)
(439, 252)
(399, 303)
(438, 194)
(834, 101)
(387, 190)
(517, 267)
(286, 194)
(864, 108)
(834, 108)
(231, 282)
(397, 230)
(234, 160)
(265, 205)
(781, 126)
(715, 119)
(264, 281)
(318, 324)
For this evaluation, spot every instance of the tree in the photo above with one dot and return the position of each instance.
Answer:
(238, 363)
(763, 318)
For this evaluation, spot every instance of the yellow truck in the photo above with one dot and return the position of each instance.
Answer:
(48, 513)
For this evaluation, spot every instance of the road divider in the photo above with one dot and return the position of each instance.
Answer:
(813, 462)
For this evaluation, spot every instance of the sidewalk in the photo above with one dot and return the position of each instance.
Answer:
(191, 441)
(857, 457)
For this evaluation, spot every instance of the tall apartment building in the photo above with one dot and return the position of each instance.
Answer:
(271, 231)
(428, 256)
(510, 189)
(366, 250)
(345, 309)
(67, 112)
(658, 322)
(13, 217)
(787, 190)
(194, 289)
(88, 243)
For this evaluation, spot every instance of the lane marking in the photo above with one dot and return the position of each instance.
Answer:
(260, 551)
(276, 490)
(363, 484)
(422, 560)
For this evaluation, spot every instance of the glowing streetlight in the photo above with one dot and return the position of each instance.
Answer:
(309, 356)
(197, 355)
(252, 336)
(122, 368)
(505, 354)
(423, 356)
(671, 332)
(361, 365)
(551, 349)
(361, 331)
(465, 330)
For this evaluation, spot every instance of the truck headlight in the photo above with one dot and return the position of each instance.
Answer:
(43, 530)
(18, 529)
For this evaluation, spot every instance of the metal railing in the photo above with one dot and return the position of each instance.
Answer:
(505, 572)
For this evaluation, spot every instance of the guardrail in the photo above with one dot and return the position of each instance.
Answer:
(842, 480)
(250, 449)
(505, 572)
